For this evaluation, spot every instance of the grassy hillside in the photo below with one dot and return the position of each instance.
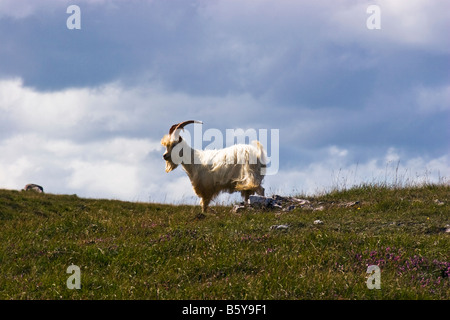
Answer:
(150, 251)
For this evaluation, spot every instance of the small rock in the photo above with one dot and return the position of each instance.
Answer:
(351, 204)
(321, 208)
(447, 230)
(301, 201)
(439, 202)
(279, 227)
(264, 202)
(279, 198)
(259, 200)
(318, 222)
(34, 187)
(237, 208)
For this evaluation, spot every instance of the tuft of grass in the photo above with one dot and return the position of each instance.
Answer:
(131, 250)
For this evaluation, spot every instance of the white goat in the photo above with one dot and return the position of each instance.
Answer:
(236, 168)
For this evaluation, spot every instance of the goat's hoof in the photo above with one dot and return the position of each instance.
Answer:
(200, 216)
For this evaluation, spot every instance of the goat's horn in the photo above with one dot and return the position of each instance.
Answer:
(181, 125)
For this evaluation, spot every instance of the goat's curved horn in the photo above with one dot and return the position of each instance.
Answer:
(181, 125)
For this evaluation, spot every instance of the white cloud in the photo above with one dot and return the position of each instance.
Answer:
(104, 179)
(335, 151)
(392, 156)
(432, 100)
(335, 172)
(21, 9)
(421, 23)
(113, 168)
(17, 9)
(104, 142)
(416, 23)
(71, 141)
(88, 140)
(410, 24)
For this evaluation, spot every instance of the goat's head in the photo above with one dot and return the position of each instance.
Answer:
(171, 140)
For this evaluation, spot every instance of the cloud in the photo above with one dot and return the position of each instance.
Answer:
(115, 167)
(73, 141)
(104, 141)
(96, 142)
(416, 24)
(434, 99)
(79, 105)
(337, 172)
(17, 9)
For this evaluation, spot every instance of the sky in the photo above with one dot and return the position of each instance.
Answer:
(82, 111)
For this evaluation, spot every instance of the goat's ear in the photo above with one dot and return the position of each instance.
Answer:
(165, 140)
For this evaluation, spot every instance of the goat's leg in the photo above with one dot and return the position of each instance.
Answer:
(260, 191)
(205, 202)
(247, 195)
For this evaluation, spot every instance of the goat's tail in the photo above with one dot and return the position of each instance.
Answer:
(253, 174)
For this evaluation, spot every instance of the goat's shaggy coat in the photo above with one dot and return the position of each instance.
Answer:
(236, 168)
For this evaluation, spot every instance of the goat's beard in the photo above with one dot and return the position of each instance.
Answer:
(170, 166)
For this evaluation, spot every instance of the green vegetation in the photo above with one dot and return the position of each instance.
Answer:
(150, 251)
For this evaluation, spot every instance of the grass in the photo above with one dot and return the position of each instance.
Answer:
(131, 250)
